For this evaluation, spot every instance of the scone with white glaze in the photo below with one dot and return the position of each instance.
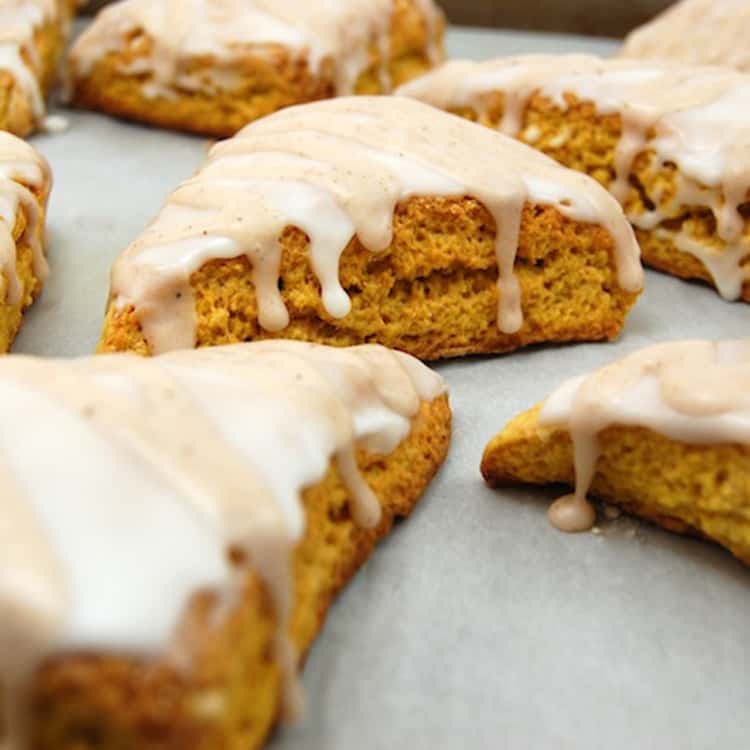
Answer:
(670, 142)
(175, 529)
(33, 34)
(374, 219)
(664, 433)
(695, 32)
(212, 66)
(25, 182)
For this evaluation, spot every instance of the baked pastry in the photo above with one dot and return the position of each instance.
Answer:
(33, 34)
(212, 66)
(176, 528)
(695, 32)
(374, 219)
(670, 142)
(664, 433)
(25, 182)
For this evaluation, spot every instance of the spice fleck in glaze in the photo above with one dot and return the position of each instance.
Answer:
(693, 118)
(178, 460)
(338, 169)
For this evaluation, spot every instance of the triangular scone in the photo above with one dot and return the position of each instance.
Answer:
(25, 182)
(669, 141)
(175, 528)
(666, 433)
(33, 34)
(212, 66)
(696, 32)
(377, 219)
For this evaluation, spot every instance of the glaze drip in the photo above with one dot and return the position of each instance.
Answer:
(691, 117)
(20, 21)
(177, 460)
(336, 170)
(24, 175)
(697, 32)
(340, 31)
(694, 392)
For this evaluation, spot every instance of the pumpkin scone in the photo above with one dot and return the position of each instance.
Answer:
(695, 32)
(376, 219)
(33, 34)
(25, 182)
(213, 66)
(664, 433)
(672, 143)
(175, 529)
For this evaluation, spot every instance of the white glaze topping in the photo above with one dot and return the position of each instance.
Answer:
(692, 117)
(695, 392)
(698, 32)
(19, 22)
(22, 170)
(337, 169)
(341, 31)
(129, 480)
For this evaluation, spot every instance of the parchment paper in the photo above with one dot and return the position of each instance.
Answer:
(475, 625)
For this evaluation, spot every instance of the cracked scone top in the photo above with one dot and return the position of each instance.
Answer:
(22, 170)
(20, 21)
(337, 30)
(337, 169)
(155, 468)
(692, 117)
(700, 32)
(695, 392)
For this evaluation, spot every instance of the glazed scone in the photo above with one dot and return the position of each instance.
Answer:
(378, 219)
(695, 32)
(33, 34)
(25, 182)
(175, 529)
(670, 142)
(664, 433)
(213, 66)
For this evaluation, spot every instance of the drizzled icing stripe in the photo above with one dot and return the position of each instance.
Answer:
(697, 32)
(156, 468)
(20, 20)
(692, 117)
(23, 171)
(336, 170)
(695, 392)
(340, 31)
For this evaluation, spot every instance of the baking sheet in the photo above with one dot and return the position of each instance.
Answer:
(476, 624)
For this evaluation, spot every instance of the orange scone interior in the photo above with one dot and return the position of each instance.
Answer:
(163, 575)
(33, 34)
(25, 182)
(213, 66)
(695, 32)
(664, 433)
(670, 142)
(376, 219)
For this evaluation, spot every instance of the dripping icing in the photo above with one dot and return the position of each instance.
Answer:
(336, 170)
(340, 31)
(694, 392)
(23, 172)
(180, 448)
(692, 117)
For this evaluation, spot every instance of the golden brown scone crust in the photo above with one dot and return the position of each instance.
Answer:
(270, 81)
(11, 316)
(230, 697)
(16, 109)
(581, 139)
(433, 293)
(689, 489)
